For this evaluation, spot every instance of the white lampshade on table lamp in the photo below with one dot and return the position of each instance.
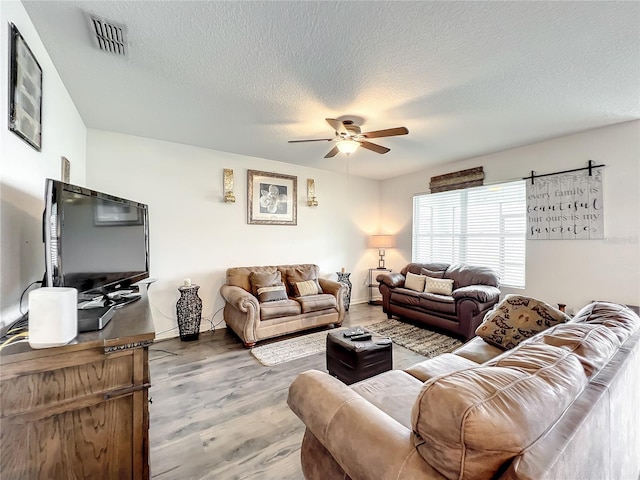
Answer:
(381, 242)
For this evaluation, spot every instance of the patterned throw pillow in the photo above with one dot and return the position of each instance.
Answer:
(308, 287)
(272, 293)
(414, 282)
(517, 318)
(441, 286)
(299, 274)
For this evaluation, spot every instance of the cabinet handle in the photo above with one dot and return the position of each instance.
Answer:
(126, 391)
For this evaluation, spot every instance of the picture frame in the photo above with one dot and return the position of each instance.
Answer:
(65, 170)
(272, 198)
(107, 214)
(25, 92)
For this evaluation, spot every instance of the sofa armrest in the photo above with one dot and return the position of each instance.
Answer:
(239, 298)
(392, 280)
(383, 448)
(338, 290)
(481, 293)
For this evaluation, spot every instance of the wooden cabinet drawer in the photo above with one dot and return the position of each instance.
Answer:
(45, 390)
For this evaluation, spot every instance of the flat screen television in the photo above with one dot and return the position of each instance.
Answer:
(94, 242)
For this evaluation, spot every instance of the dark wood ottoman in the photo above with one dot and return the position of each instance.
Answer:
(351, 361)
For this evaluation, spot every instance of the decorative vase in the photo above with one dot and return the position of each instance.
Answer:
(189, 310)
(343, 278)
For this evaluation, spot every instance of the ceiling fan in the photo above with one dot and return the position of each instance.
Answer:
(348, 137)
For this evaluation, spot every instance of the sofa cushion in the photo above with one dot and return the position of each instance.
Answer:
(264, 279)
(477, 350)
(432, 273)
(272, 293)
(440, 365)
(517, 318)
(415, 282)
(465, 275)
(280, 308)
(301, 273)
(440, 286)
(316, 303)
(428, 301)
(394, 392)
(470, 422)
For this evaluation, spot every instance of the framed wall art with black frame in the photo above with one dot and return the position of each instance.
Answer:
(272, 198)
(25, 91)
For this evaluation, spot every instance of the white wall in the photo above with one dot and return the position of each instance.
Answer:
(573, 272)
(23, 169)
(194, 234)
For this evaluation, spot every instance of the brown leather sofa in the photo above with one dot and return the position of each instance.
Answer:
(253, 320)
(475, 292)
(560, 405)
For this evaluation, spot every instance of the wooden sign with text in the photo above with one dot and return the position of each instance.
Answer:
(566, 207)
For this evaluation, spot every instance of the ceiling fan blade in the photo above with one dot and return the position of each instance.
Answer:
(373, 147)
(332, 153)
(337, 125)
(389, 132)
(311, 140)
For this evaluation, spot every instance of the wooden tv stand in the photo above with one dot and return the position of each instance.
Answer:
(81, 410)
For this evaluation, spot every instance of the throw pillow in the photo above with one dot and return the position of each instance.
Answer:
(300, 274)
(303, 289)
(432, 273)
(517, 318)
(272, 293)
(441, 286)
(263, 279)
(414, 282)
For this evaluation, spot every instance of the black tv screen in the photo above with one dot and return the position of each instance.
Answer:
(94, 242)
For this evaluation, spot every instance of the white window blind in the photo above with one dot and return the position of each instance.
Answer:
(483, 226)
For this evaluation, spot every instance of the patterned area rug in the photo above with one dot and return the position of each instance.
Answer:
(419, 340)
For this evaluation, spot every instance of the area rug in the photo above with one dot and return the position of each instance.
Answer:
(419, 340)
(275, 353)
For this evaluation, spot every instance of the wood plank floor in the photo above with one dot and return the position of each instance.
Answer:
(217, 413)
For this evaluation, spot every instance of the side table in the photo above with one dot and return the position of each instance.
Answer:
(373, 272)
(343, 277)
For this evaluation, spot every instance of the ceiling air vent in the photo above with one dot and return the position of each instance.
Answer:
(108, 36)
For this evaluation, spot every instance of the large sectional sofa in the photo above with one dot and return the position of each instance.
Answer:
(475, 291)
(253, 319)
(562, 404)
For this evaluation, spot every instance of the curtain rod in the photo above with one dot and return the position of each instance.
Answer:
(590, 166)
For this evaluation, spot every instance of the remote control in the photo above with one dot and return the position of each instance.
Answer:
(353, 333)
(361, 338)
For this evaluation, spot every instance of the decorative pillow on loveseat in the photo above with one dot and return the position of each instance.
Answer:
(264, 279)
(272, 293)
(517, 318)
(306, 288)
(440, 286)
(300, 274)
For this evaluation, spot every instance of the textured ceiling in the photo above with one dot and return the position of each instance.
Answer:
(466, 78)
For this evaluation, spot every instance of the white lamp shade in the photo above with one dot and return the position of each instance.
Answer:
(382, 241)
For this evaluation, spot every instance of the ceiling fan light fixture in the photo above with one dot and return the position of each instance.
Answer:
(347, 146)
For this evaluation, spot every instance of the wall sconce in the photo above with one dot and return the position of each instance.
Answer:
(227, 180)
(311, 193)
(381, 242)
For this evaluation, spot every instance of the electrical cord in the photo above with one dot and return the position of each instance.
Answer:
(22, 295)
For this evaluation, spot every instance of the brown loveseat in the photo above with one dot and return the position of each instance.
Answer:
(475, 292)
(561, 405)
(253, 320)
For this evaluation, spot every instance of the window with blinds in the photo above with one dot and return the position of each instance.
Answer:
(483, 226)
